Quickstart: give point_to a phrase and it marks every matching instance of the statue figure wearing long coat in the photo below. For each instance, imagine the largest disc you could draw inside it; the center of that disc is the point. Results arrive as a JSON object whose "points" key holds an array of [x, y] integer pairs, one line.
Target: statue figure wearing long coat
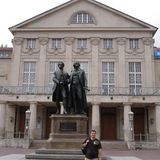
{"points": [[60, 89], [78, 87]]}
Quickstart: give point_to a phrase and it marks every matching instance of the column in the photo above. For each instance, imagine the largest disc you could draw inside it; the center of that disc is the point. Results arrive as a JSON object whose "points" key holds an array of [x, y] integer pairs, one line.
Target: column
{"points": [[95, 63], [96, 118], [33, 119], [127, 109], [2, 118], [121, 62], [15, 64], [42, 61], [157, 119]]}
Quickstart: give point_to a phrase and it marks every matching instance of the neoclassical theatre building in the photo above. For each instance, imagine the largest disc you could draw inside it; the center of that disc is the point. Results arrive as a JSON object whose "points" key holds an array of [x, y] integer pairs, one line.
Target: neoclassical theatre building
{"points": [[115, 50]]}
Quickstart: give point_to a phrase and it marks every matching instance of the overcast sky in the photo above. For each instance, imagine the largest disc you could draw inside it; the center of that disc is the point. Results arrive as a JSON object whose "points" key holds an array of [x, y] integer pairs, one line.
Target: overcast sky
{"points": [[13, 12]]}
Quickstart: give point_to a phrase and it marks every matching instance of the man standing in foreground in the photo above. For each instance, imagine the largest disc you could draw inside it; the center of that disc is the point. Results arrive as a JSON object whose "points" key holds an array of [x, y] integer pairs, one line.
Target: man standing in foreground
{"points": [[92, 147]]}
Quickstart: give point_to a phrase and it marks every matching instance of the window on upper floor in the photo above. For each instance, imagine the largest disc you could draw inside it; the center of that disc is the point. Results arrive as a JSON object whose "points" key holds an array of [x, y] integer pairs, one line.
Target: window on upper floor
{"points": [[82, 43], [31, 43], [53, 66], [82, 18], [107, 43], [84, 66], [135, 78], [29, 76], [108, 77], [56, 43], [134, 43]]}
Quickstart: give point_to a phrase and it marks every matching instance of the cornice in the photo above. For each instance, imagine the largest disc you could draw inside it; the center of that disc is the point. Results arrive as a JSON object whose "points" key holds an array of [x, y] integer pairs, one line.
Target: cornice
{"points": [[88, 28]]}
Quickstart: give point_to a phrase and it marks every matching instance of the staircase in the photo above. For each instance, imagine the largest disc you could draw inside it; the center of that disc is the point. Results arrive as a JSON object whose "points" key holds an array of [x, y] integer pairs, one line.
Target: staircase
{"points": [[72, 144], [67, 153], [55, 154]]}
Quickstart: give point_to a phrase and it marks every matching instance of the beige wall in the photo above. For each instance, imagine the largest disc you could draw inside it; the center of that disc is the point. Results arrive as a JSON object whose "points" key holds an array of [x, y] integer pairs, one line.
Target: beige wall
{"points": [[108, 24], [5, 66]]}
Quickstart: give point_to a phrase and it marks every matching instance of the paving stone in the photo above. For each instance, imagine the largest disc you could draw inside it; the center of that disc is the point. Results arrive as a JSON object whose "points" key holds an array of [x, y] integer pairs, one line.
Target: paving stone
{"points": [[22, 157], [13, 157], [124, 158]]}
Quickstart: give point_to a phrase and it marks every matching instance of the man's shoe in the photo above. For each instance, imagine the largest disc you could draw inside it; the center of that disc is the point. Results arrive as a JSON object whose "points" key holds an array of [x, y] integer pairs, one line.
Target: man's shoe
{"points": [[58, 111]]}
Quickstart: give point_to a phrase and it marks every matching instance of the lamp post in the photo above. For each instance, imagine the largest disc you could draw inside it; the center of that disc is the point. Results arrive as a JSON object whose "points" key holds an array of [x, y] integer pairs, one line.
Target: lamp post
{"points": [[131, 126], [27, 120]]}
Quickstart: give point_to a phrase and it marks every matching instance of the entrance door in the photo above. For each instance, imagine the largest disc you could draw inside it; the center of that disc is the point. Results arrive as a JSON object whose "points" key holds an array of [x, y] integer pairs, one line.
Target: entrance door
{"points": [[108, 124], [138, 122], [21, 127]]}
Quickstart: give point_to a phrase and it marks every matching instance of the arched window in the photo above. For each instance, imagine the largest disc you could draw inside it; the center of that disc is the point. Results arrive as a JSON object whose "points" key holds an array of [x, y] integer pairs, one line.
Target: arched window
{"points": [[82, 18]]}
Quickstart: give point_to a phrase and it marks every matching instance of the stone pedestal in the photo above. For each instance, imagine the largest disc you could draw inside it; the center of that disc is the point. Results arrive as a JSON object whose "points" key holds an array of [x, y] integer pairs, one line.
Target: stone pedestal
{"points": [[67, 131]]}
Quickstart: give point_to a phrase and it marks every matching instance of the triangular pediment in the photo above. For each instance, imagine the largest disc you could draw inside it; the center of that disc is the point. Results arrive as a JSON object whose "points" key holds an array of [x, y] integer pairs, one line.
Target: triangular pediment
{"points": [[106, 18]]}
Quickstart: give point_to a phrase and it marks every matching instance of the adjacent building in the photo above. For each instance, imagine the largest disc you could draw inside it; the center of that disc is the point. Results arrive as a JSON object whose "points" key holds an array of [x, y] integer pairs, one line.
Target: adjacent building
{"points": [[115, 50]]}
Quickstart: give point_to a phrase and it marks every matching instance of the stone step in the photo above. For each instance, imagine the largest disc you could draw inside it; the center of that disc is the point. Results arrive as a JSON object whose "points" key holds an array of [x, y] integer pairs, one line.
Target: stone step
{"points": [[58, 151], [54, 156], [75, 144], [57, 157], [57, 144], [57, 154]]}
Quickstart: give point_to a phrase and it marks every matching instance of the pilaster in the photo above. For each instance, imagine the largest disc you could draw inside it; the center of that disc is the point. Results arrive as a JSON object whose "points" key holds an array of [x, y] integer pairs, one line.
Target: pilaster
{"points": [[15, 65], [148, 43], [95, 62], [42, 60], [69, 43], [121, 62]]}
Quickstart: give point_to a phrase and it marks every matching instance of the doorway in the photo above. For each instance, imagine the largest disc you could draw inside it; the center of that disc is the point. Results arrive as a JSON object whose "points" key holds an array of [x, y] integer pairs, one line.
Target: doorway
{"points": [[108, 124], [139, 123]]}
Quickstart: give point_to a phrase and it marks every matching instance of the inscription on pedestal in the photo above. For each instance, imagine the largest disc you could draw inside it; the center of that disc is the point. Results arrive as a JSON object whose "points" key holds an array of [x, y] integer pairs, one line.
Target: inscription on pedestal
{"points": [[68, 126]]}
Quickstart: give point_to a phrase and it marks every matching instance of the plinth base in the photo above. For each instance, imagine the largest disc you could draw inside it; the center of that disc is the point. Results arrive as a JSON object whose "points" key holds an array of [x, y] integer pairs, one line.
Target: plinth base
{"points": [[67, 131]]}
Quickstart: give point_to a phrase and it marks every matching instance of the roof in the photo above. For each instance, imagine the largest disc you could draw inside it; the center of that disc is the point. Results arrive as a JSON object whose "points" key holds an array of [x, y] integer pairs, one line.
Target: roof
{"points": [[19, 27]]}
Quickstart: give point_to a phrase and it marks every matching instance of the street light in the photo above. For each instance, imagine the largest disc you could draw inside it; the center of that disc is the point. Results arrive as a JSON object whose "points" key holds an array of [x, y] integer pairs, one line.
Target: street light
{"points": [[131, 115], [131, 126], [28, 113]]}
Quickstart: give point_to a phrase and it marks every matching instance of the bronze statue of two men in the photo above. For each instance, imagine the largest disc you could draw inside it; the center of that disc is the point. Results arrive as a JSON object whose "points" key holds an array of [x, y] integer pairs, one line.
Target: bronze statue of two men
{"points": [[73, 97]]}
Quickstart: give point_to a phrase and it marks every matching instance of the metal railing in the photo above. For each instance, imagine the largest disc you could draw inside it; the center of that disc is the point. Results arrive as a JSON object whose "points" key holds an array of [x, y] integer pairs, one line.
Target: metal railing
{"points": [[148, 137], [10, 135], [47, 90]]}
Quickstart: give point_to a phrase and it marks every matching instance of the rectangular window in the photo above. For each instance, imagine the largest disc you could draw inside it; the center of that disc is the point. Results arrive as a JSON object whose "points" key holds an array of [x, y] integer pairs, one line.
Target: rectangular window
{"points": [[79, 18], [107, 43], [81, 43], [29, 76], [31, 43], [134, 43], [135, 78], [56, 43], [84, 66], [108, 78], [53, 66]]}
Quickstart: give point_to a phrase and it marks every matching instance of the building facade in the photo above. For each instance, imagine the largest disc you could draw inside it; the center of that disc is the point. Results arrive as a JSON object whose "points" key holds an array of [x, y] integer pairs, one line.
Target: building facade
{"points": [[116, 52]]}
